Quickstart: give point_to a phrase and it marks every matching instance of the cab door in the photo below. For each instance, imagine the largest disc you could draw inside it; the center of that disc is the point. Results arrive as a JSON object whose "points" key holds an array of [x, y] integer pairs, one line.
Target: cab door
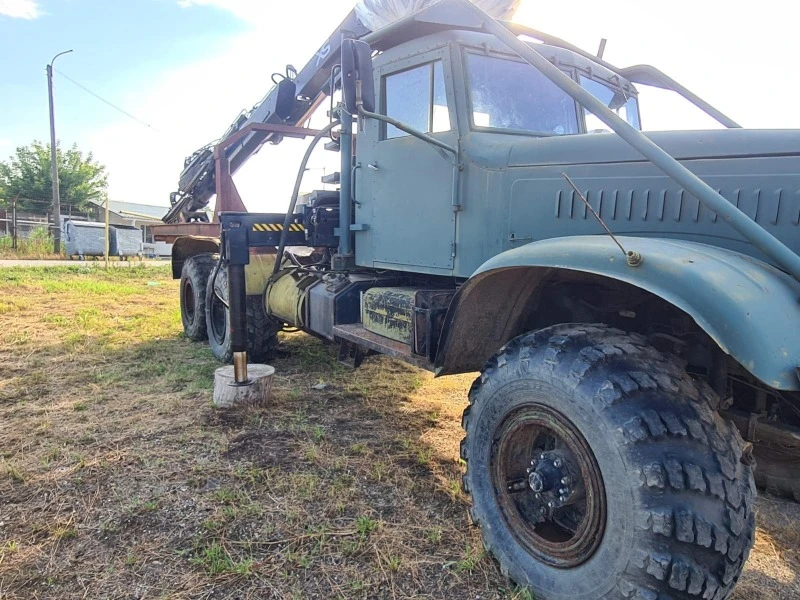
{"points": [[404, 186]]}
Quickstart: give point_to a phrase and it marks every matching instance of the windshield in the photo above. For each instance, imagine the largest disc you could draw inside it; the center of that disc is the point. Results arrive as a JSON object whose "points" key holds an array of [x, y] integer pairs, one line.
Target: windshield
{"points": [[626, 107], [508, 94]]}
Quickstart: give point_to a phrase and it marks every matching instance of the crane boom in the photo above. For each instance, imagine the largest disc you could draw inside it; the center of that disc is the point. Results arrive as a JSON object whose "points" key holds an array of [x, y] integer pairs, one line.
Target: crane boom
{"points": [[290, 101]]}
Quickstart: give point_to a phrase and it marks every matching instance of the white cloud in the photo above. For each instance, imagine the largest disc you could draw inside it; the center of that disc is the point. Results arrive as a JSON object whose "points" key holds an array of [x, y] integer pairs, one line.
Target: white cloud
{"points": [[20, 9], [144, 165]]}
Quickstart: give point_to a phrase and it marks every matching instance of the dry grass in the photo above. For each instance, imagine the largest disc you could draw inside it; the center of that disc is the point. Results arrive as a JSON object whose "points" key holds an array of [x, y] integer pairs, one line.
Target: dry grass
{"points": [[118, 479], [38, 245]]}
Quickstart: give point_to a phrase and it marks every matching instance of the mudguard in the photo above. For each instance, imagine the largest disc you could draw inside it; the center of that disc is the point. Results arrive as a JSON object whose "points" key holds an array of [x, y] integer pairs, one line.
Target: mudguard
{"points": [[749, 308], [187, 246]]}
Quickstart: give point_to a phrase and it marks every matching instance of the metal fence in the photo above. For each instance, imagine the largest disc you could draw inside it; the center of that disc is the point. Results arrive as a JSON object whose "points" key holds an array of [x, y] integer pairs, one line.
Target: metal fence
{"points": [[17, 224]]}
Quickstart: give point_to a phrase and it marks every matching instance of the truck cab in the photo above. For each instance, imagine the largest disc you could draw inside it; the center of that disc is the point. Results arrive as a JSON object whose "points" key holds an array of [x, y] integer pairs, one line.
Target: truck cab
{"points": [[470, 91], [517, 132]]}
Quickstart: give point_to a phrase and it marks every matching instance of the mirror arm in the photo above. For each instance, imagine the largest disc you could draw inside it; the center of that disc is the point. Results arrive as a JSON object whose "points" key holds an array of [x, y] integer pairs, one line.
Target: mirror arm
{"points": [[409, 130]]}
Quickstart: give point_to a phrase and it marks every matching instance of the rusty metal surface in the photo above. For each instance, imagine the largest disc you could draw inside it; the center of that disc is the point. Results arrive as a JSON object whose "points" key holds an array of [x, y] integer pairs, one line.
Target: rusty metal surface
{"points": [[250, 138], [228, 198], [389, 312], [561, 528], [171, 232], [380, 344]]}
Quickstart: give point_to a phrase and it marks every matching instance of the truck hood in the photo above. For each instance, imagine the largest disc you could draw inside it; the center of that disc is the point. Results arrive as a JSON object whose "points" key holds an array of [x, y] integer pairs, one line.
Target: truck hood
{"points": [[682, 145]]}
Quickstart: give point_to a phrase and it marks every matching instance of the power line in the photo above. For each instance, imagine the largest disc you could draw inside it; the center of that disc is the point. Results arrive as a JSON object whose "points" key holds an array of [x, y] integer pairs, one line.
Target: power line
{"points": [[111, 104]]}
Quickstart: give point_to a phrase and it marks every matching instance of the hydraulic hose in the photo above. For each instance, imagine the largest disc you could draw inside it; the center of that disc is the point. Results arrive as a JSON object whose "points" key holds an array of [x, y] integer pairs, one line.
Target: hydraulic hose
{"points": [[296, 192]]}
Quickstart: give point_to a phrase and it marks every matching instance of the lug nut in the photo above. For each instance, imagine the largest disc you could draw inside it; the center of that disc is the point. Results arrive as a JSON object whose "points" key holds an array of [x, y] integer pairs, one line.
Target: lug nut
{"points": [[557, 463], [565, 480], [538, 495], [543, 456], [562, 498], [550, 505]]}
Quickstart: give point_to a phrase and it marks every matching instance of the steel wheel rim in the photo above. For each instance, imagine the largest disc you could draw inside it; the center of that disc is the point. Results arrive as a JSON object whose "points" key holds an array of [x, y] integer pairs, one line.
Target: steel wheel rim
{"points": [[188, 300], [219, 324], [551, 538]]}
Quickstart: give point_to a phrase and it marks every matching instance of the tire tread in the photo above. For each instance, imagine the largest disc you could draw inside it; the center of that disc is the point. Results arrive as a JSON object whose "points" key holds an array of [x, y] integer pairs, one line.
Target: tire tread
{"points": [[626, 375]]}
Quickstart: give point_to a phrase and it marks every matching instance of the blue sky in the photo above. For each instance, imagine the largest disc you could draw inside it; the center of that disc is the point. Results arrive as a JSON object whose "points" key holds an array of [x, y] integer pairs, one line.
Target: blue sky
{"points": [[117, 46], [187, 67]]}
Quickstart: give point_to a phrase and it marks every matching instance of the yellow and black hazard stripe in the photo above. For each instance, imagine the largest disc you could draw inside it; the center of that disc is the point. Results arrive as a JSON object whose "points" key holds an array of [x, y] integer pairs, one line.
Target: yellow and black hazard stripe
{"points": [[277, 227]]}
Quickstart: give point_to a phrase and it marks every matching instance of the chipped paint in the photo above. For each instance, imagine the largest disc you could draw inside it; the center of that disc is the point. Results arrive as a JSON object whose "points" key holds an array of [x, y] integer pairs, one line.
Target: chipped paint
{"points": [[389, 312]]}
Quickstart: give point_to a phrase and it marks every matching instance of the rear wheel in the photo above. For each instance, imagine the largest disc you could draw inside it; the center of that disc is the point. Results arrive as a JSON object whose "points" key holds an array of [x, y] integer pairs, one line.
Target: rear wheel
{"points": [[597, 469], [262, 332], [194, 279]]}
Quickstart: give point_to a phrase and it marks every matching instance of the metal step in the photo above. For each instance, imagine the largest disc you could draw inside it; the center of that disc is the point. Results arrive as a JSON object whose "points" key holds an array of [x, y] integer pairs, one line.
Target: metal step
{"points": [[333, 178], [356, 334], [333, 146]]}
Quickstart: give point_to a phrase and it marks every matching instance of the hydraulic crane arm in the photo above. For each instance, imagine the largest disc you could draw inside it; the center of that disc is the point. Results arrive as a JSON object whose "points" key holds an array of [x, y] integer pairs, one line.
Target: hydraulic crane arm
{"points": [[291, 101]]}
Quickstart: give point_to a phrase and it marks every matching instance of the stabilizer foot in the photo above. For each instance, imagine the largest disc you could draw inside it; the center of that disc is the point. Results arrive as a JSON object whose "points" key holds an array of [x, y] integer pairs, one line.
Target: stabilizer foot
{"points": [[253, 392]]}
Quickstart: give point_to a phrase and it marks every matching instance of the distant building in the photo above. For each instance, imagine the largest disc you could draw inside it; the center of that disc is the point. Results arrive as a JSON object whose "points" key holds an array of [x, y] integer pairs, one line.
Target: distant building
{"points": [[141, 216], [130, 213]]}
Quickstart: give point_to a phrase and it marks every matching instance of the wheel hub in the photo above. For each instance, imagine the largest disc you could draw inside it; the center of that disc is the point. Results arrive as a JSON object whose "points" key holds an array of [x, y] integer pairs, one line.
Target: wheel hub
{"points": [[537, 482], [553, 498], [555, 479]]}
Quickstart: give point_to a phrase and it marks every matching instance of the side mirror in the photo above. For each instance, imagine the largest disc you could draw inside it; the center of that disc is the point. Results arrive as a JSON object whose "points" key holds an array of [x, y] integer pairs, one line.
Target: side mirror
{"points": [[287, 98], [357, 77]]}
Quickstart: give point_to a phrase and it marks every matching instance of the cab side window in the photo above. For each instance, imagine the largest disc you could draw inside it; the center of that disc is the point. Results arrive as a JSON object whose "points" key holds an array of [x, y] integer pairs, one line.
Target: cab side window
{"points": [[417, 97]]}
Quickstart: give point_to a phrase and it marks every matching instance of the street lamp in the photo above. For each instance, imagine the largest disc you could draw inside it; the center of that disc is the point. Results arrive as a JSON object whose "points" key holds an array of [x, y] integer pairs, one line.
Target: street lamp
{"points": [[53, 160]]}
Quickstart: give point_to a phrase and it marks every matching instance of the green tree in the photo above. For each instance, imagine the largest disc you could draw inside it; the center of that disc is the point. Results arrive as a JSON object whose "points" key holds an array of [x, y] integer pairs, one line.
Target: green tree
{"points": [[26, 175]]}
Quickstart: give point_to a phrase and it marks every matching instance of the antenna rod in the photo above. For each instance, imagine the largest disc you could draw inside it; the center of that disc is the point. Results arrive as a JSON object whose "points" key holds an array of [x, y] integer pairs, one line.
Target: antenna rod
{"points": [[602, 49]]}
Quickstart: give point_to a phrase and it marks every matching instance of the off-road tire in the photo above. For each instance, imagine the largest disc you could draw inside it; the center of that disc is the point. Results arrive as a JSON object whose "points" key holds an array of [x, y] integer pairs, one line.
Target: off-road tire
{"points": [[194, 280], [777, 472], [262, 332], [679, 493]]}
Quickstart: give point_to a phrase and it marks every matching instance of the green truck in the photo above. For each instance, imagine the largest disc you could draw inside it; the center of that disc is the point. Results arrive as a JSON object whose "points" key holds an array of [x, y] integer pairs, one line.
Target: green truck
{"points": [[630, 301]]}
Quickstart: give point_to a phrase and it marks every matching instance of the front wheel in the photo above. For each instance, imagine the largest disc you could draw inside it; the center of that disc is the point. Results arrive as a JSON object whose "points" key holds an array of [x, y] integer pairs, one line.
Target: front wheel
{"points": [[597, 469]]}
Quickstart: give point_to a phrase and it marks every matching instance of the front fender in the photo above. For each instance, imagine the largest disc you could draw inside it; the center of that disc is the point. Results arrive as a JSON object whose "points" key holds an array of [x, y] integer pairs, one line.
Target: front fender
{"points": [[750, 309]]}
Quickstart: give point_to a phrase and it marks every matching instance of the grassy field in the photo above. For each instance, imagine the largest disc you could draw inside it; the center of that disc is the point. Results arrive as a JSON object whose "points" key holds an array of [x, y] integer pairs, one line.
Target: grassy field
{"points": [[119, 480]]}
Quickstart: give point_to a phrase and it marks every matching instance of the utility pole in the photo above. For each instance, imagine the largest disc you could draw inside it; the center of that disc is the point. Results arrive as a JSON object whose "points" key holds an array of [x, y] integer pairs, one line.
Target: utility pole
{"points": [[108, 241], [14, 223], [53, 159]]}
